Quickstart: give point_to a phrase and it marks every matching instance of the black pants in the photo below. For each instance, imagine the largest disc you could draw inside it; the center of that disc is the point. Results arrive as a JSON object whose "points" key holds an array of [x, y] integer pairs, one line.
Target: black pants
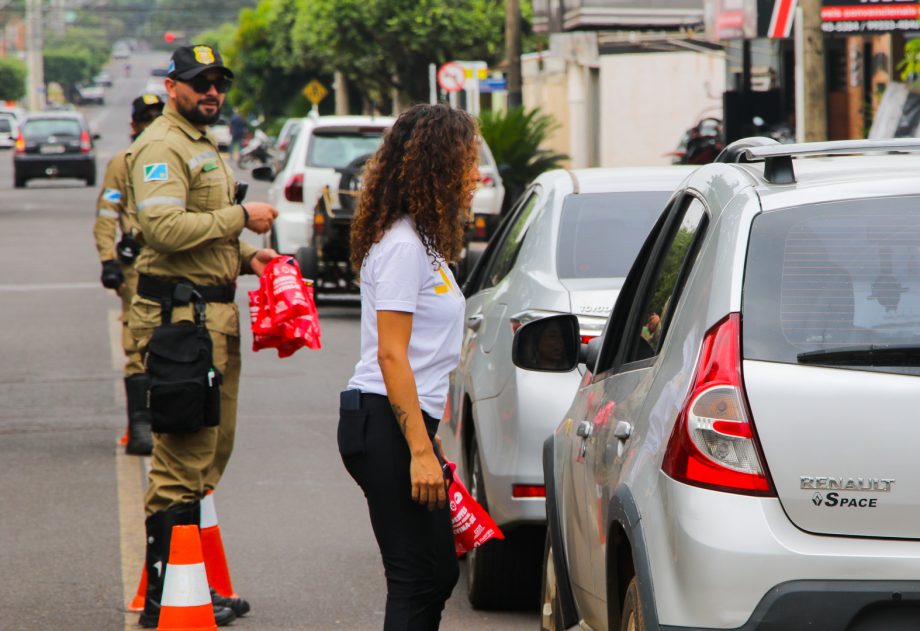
{"points": [[416, 544]]}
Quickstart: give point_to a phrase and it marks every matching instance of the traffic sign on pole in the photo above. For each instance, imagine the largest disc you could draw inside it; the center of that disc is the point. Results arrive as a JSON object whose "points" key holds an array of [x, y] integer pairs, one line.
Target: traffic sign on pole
{"points": [[452, 77], [315, 92]]}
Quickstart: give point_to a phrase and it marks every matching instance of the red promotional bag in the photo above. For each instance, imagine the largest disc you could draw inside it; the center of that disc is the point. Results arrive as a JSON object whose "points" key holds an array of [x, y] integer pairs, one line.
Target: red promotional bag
{"points": [[471, 523], [282, 310]]}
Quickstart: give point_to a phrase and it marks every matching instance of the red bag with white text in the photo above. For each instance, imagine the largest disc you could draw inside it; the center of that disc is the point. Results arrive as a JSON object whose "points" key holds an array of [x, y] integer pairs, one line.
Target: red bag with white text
{"points": [[471, 523], [282, 310], [285, 290], [261, 323]]}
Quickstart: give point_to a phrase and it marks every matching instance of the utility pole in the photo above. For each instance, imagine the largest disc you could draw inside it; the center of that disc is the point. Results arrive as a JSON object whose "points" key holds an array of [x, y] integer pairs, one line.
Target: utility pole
{"points": [[341, 93], [34, 47], [811, 97], [513, 51]]}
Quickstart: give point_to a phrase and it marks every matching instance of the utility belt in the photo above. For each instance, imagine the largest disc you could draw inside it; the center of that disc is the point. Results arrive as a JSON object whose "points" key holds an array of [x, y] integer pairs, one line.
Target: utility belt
{"points": [[184, 386]]}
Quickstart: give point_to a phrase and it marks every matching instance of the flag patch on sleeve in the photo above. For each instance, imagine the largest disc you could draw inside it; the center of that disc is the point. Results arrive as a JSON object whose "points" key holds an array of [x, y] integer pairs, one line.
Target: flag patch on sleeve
{"points": [[111, 195], [156, 172]]}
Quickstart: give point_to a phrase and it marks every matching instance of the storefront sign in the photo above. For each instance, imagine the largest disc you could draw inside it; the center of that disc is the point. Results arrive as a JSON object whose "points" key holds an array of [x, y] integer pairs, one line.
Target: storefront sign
{"points": [[748, 19], [870, 16]]}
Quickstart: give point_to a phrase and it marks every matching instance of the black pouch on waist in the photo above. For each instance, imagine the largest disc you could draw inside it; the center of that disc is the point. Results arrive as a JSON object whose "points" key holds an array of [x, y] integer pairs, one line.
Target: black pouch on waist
{"points": [[184, 393]]}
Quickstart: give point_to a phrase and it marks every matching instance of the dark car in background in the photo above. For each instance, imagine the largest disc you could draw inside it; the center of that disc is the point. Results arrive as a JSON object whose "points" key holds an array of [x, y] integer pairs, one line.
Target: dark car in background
{"points": [[54, 145]]}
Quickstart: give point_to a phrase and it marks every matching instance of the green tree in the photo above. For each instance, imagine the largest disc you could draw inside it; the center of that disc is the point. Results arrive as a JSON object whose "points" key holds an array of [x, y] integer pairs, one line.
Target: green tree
{"points": [[381, 45], [13, 75], [68, 67], [515, 137]]}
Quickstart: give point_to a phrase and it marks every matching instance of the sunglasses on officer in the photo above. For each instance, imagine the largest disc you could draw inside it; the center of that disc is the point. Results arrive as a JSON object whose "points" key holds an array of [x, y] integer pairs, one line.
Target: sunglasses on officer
{"points": [[202, 85]]}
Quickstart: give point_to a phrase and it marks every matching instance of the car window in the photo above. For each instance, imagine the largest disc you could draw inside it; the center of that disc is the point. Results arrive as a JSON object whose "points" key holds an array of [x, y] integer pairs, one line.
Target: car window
{"points": [[660, 296], [506, 253], [600, 233], [336, 149], [44, 127], [833, 275], [5, 125]]}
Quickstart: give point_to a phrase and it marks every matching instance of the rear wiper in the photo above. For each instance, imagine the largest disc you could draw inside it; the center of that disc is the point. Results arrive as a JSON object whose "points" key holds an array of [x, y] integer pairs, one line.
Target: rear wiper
{"points": [[864, 355]]}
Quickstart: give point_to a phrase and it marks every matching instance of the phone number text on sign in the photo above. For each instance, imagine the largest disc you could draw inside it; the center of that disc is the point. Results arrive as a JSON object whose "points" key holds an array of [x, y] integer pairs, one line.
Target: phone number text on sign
{"points": [[875, 26]]}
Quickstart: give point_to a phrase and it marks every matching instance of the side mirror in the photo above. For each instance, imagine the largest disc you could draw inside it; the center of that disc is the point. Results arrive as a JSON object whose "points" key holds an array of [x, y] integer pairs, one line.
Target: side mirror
{"points": [[547, 345], [264, 174], [504, 169]]}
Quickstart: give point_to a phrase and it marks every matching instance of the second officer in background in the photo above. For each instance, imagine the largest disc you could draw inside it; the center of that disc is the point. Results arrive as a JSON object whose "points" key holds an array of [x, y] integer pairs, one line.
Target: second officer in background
{"points": [[191, 218], [112, 219]]}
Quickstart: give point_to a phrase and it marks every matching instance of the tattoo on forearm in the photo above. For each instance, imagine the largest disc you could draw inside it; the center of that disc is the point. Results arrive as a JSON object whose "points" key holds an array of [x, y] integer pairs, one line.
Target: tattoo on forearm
{"points": [[402, 417]]}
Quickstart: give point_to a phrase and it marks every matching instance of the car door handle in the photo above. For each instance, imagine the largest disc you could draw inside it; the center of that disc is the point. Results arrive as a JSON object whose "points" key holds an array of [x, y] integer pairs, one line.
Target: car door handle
{"points": [[623, 430], [474, 321], [584, 429]]}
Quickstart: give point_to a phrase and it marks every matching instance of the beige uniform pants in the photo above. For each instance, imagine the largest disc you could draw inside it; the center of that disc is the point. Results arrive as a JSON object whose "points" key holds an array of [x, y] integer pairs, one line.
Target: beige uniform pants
{"points": [[133, 362]]}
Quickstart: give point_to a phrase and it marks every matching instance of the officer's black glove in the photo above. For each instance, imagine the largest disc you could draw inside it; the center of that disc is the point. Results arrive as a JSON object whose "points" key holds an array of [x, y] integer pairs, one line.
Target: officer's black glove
{"points": [[112, 276]]}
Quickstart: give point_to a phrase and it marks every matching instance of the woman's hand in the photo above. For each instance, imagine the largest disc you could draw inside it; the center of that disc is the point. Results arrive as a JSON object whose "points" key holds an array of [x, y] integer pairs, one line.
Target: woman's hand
{"points": [[427, 480], [261, 259]]}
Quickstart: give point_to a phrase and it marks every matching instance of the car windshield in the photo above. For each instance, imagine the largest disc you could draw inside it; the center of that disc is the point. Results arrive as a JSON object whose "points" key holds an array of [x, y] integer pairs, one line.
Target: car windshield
{"points": [[44, 127], [835, 283], [5, 125], [336, 149], [600, 233]]}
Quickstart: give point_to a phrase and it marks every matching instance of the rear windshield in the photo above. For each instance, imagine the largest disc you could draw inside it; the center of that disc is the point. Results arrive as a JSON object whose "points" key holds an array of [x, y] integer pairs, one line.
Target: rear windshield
{"points": [[833, 275], [42, 128], [337, 149], [600, 233], [5, 124]]}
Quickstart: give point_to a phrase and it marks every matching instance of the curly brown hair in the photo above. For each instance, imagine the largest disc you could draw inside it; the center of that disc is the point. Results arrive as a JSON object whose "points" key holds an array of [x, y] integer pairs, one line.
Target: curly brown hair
{"points": [[421, 170]]}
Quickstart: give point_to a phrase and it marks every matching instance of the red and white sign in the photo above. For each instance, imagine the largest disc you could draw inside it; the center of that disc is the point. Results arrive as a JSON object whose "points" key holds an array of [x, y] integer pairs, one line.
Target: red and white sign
{"points": [[781, 20], [452, 77]]}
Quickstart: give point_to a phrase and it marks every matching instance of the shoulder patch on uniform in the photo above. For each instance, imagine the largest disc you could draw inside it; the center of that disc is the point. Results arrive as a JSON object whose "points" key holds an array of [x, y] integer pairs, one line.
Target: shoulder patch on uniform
{"points": [[111, 195], [156, 172]]}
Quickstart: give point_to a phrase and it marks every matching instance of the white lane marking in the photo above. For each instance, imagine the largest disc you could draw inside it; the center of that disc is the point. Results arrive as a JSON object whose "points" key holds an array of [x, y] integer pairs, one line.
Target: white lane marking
{"points": [[49, 287], [115, 343]]}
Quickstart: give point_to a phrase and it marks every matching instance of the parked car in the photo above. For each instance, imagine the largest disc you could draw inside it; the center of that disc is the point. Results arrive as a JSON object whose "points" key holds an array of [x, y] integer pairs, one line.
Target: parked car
{"points": [[739, 452], [8, 132], [104, 79], [52, 145], [285, 139], [323, 146], [121, 50], [565, 248], [91, 93], [487, 202], [156, 82], [221, 132], [17, 113]]}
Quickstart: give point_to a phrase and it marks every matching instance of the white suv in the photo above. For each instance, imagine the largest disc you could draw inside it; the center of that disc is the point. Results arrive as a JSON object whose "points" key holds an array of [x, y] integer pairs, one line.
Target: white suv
{"points": [[740, 453]]}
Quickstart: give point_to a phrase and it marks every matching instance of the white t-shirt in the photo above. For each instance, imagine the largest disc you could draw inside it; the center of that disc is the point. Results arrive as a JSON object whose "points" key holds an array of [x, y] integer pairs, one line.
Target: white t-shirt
{"points": [[399, 275]]}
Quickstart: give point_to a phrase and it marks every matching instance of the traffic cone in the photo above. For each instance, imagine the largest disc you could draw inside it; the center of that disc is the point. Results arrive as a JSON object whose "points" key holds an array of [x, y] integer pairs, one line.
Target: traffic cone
{"points": [[124, 439], [186, 604], [137, 604], [212, 545]]}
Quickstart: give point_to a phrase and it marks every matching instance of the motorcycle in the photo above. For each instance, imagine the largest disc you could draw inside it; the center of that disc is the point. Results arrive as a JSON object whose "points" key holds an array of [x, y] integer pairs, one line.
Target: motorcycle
{"points": [[257, 152], [701, 143]]}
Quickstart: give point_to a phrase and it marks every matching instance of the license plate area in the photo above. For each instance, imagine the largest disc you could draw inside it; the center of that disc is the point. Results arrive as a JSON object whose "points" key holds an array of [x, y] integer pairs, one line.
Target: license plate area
{"points": [[51, 149]]}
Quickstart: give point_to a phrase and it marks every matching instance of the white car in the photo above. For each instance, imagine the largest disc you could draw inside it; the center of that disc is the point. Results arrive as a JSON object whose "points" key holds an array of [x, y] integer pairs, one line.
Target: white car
{"points": [[156, 85], [92, 93], [221, 132], [565, 247], [8, 132]]}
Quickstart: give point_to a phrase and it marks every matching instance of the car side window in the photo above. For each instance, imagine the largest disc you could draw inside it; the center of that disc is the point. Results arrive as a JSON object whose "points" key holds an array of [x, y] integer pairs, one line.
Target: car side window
{"points": [[503, 259], [661, 294]]}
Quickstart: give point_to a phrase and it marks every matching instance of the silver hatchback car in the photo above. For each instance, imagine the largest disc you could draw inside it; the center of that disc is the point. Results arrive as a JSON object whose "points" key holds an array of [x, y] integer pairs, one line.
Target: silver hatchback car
{"points": [[740, 453], [564, 248]]}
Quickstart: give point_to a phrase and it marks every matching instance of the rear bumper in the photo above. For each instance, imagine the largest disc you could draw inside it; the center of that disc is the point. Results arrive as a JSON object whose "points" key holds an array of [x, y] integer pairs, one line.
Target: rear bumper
{"points": [[81, 166], [833, 606]]}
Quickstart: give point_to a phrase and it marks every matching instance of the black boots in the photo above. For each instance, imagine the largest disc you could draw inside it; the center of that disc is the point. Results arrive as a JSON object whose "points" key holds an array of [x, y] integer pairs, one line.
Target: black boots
{"points": [[240, 606], [159, 533], [140, 440]]}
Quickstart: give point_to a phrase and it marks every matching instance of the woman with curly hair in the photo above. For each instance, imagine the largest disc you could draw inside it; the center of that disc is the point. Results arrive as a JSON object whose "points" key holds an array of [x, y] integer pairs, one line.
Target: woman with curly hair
{"points": [[411, 216]]}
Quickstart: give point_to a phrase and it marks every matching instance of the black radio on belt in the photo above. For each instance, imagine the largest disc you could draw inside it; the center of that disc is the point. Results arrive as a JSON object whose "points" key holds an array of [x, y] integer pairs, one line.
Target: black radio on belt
{"points": [[241, 189], [127, 248]]}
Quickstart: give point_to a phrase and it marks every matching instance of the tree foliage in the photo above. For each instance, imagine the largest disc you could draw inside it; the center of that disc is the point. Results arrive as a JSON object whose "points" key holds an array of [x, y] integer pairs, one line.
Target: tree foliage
{"points": [[381, 45], [13, 75], [515, 138]]}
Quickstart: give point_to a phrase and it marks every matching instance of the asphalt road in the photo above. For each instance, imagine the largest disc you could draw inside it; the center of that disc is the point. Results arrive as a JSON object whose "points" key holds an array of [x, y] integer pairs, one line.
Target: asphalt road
{"points": [[294, 525]]}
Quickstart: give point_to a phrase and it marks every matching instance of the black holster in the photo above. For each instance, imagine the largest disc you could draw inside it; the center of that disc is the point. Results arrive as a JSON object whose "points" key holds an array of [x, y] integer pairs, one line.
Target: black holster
{"points": [[184, 393]]}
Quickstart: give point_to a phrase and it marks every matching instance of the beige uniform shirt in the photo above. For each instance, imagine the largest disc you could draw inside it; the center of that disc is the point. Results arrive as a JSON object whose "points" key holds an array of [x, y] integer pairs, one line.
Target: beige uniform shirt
{"points": [[182, 193], [110, 208]]}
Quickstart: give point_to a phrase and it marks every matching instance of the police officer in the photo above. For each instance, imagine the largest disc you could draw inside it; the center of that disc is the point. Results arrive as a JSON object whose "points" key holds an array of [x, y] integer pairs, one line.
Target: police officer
{"points": [[118, 269], [184, 197]]}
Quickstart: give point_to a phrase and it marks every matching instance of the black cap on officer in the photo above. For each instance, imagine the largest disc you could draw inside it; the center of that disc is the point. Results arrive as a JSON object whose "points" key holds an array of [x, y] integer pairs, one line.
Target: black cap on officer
{"points": [[189, 61], [142, 104]]}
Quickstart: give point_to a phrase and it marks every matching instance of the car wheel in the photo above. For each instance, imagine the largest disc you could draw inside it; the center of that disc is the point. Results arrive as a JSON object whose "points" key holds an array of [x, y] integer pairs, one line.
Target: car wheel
{"points": [[502, 573], [551, 610], [632, 618], [19, 182], [309, 265], [91, 180]]}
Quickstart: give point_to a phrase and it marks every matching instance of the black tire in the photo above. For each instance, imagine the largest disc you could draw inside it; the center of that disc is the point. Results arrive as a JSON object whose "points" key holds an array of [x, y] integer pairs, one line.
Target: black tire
{"points": [[91, 181], [19, 181], [502, 574], [551, 609], [632, 618], [308, 261]]}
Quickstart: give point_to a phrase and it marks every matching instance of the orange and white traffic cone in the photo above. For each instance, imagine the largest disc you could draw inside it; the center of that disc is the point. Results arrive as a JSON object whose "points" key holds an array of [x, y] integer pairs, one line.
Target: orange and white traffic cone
{"points": [[212, 545], [137, 604], [186, 604]]}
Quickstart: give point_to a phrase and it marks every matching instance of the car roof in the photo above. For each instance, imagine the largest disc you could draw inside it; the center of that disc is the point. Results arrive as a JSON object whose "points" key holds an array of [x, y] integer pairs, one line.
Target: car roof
{"points": [[63, 114], [608, 180], [347, 121]]}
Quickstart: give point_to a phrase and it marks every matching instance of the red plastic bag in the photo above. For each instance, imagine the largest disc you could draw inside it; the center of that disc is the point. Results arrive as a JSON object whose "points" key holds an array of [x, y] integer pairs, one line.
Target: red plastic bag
{"points": [[282, 310], [471, 523]]}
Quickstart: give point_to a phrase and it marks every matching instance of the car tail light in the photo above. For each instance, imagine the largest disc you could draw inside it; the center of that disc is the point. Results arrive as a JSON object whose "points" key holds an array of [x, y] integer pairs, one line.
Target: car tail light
{"points": [[485, 179], [520, 491], [20, 143], [293, 190], [283, 144], [590, 327], [479, 227], [319, 223], [86, 143], [714, 444]]}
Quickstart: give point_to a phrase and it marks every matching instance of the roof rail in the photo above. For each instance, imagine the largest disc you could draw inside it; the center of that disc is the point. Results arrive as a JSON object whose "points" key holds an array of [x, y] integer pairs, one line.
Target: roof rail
{"points": [[778, 158], [735, 151]]}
